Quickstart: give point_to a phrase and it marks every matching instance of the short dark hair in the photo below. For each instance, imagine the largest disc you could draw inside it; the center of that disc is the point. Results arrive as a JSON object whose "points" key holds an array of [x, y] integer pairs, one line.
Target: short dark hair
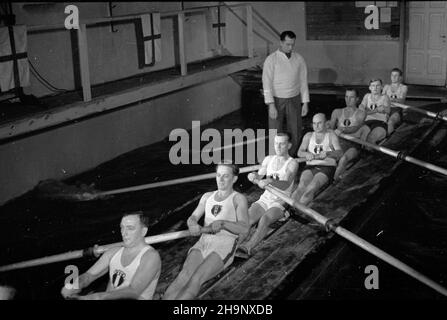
{"points": [[354, 90], [376, 79], [143, 219], [284, 134], [397, 70], [229, 163], [287, 33]]}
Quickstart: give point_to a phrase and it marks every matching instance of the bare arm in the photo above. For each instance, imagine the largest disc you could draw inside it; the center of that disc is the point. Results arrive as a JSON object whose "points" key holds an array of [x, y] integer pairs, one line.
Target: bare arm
{"points": [[302, 151], [338, 152], [96, 271], [192, 221], [147, 271], [334, 118], [386, 106]]}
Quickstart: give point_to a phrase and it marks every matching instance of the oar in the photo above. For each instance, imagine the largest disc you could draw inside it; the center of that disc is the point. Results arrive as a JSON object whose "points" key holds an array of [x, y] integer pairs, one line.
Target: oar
{"points": [[400, 155], [87, 196], [435, 115], [331, 226], [94, 251]]}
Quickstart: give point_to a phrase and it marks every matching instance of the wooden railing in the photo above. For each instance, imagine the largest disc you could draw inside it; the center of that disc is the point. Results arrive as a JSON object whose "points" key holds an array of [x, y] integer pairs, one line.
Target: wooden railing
{"points": [[180, 14]]}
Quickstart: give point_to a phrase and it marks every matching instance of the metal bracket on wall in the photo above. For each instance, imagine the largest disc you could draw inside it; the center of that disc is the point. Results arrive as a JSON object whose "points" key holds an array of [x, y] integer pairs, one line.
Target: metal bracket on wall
{"points": [[110, 9]]}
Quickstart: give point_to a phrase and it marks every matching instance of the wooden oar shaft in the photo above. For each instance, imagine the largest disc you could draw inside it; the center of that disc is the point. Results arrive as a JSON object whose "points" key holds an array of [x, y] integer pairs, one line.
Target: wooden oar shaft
{"points": [[359, 241], [396, 154], [171, 182], [176, 181], [419, 110], [97, 250]]}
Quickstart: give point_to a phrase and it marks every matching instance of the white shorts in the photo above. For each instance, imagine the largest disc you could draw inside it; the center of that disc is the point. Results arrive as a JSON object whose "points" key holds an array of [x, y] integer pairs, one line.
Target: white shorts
{"points": [[223, 245], [267, 203]]}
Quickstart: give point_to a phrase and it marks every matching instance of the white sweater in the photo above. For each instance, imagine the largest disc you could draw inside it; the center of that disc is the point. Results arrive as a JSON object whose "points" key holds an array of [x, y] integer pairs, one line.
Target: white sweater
{"points": [[284, 78]]}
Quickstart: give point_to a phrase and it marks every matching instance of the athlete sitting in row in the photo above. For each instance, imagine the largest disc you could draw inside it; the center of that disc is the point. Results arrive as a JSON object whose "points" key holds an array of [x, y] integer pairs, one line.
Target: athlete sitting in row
{"points": [[377, 108], [397, 92], [322, 149], [349, 120]]}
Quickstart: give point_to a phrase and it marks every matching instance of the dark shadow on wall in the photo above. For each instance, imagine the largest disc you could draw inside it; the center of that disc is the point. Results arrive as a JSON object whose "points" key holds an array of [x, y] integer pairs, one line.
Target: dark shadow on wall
{"points": [[253, 110], [327, 75]]}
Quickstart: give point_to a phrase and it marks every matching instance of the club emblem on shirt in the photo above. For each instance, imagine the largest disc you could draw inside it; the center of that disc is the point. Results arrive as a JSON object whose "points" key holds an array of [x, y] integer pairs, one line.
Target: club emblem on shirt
{"points": [[393, 96], [318, 149], [372, 107], [347, 122], [118, 278], [216, 209]]}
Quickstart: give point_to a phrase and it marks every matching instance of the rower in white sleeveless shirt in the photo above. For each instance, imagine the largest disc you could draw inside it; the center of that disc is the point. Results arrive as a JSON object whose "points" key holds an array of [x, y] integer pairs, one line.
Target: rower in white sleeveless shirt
{"points": [[280, 171], [349, 120], [397, 92], [322, 149], [226, 214], [377, 108], [134, 268]]}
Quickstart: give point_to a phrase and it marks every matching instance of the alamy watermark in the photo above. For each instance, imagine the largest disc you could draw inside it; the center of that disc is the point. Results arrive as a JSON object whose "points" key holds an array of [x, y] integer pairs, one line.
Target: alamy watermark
{"points": [[188, 148]]}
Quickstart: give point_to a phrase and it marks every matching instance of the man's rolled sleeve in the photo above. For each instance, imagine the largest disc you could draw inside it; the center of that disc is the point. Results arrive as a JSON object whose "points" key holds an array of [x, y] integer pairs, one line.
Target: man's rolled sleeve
{"points": [[304, 88], [267, 81]]}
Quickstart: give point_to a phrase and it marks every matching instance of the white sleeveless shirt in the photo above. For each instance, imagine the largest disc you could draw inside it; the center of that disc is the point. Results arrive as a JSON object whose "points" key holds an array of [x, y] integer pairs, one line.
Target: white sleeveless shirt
{"points": [[317, 148], [121, 277], [279, 174], [394, 93], [220, 210], [372, 105], [345, 122]]}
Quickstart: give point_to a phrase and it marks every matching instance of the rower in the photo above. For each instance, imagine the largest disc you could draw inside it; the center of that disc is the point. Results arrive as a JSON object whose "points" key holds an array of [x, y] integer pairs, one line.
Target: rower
{"points": [[349, 120], [134, 268], [322, 149], [377, 107], [226, 215], [280, 171], [397, 92]]}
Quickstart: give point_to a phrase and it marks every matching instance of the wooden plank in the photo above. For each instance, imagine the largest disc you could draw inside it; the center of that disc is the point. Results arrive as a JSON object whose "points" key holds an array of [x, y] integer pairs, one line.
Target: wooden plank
{"points": [[281, 254], [250, 31], [77, 110], [181, 43], [83, 62]]}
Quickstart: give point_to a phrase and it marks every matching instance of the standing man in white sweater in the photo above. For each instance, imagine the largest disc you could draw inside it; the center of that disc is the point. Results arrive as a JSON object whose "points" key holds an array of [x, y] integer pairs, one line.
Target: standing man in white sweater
{"points": [[284, 80]]}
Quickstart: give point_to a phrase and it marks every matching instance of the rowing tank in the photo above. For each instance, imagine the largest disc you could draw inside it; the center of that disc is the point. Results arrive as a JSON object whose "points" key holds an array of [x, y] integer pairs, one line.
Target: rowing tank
{"points": [[291, 245]]}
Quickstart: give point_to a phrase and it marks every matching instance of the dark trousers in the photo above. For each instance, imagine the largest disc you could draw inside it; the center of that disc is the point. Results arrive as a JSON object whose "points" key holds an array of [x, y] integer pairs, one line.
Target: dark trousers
{"points": [[289, 109]]}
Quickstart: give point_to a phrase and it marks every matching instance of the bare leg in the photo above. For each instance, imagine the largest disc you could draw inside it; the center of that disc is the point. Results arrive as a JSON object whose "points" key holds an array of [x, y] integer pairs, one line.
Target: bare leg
{"points": [[270, 216], [393, 122], [255, 212], [209, 268], [193, 261], [305, 179], [345, 160], [317, 182], [377, 134]]}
